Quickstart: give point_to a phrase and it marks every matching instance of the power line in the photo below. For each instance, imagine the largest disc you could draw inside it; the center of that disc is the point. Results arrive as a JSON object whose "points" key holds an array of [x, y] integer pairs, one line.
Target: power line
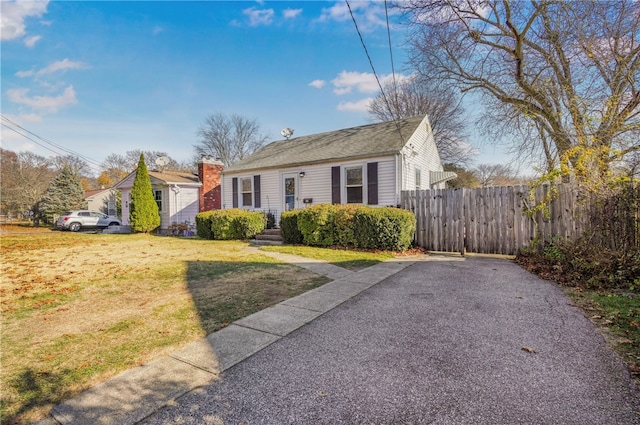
{"points": [[393, 70], [375, 74], [61, 149]]}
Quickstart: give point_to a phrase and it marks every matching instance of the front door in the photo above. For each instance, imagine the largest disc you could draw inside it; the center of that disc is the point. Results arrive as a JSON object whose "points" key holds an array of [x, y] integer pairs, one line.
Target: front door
{"points": [[290, 191]]}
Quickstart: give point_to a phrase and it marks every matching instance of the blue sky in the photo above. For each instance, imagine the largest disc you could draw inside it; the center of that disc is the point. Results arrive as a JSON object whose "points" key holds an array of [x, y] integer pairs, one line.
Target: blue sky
{"points": [[105, 77]]}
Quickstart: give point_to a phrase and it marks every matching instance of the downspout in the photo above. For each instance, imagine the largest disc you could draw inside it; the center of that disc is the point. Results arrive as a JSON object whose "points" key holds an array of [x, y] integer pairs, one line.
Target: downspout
{"points": [[398, 178], [222, 191], [176, 189]]}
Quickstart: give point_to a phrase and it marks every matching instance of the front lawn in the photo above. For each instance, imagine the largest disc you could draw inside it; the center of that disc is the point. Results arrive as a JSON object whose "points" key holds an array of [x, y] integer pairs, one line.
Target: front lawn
{"points": [[80, 308], [348, 259]]}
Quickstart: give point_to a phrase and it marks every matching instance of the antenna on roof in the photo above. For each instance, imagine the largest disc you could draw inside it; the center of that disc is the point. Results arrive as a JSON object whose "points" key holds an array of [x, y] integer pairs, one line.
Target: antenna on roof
{"points": [[286, 132], [161, 161]]}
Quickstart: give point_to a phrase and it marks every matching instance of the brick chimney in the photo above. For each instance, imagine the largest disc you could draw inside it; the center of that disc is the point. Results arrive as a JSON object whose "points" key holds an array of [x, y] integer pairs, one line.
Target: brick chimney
{"points": [[210, 175]]}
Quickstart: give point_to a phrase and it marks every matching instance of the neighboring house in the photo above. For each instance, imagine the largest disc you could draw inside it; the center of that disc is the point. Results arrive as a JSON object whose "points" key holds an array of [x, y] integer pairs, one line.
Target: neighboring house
{"points": [[103, 200], [180, 196], [367, 165]]}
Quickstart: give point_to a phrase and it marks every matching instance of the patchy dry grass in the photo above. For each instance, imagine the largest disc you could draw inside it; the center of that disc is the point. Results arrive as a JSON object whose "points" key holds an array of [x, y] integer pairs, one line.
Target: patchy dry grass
{"points": [[349, 259], [79, 308]]}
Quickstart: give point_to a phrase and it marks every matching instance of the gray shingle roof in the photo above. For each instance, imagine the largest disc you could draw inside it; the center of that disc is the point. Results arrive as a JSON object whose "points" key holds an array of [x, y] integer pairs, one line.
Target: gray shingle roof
{"points": [[175, 177], [350, 143]]}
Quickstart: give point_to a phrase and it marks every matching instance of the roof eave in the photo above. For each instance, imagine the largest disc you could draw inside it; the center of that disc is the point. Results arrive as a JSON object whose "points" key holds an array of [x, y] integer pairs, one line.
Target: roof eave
{"points": [[306, 163]]}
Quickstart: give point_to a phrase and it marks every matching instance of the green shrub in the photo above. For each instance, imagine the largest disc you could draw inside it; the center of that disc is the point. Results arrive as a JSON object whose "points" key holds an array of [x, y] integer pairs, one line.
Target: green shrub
{"points": [[383, 228], [317, 225], [289, 227], [229, 224], [203, 225], [144, 216], [343, 225], [247, 224], [350, 226]]}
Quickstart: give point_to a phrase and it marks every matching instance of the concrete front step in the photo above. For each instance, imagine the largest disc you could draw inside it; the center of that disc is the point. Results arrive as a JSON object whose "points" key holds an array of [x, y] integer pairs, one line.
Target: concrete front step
{"points": [[259, 242], [271, 232], [264, 237]]}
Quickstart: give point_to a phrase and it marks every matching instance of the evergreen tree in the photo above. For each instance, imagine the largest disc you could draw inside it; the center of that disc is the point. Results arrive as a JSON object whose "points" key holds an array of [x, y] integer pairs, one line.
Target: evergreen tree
{"points": [[143, 209], [63, 194]]}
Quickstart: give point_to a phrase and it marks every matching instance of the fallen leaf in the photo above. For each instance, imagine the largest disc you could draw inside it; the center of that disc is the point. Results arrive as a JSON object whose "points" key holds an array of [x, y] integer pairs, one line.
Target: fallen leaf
{"points": [[529, 349], [322, 394], [596, 317]]}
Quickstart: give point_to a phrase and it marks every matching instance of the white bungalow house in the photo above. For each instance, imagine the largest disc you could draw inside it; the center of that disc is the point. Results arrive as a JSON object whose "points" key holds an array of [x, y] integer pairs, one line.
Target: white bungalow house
{"points": [[368, 165], [103, 200], [180, 196]]}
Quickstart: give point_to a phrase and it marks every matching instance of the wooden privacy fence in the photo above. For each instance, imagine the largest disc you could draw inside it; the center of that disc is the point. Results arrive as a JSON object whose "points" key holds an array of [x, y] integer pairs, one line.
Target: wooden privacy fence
{"points": [[496, 220]]}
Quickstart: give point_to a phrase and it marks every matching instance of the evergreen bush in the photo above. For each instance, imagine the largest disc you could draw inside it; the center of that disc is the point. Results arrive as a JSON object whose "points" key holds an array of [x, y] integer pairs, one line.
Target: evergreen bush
{"points": [[383, 228], [229, 224], [63, 194], [144, 216], [289, 227], [203, 225], [350, 226], [317, 225]]}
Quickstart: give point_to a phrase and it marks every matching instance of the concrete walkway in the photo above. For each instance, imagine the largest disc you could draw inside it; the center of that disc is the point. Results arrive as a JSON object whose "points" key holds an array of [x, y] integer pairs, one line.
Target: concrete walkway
{"points": [[135, 394]]}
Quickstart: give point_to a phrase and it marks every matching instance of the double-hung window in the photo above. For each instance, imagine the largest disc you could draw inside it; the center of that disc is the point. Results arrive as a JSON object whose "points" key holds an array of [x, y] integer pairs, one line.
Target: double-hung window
{"points": [[418, 179], [157, 194], [247, 192], [354, 184]]}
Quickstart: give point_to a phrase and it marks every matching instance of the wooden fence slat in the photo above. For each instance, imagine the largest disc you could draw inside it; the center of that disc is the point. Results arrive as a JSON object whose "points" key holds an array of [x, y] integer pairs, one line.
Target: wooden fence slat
{"points": [[500, 220]]}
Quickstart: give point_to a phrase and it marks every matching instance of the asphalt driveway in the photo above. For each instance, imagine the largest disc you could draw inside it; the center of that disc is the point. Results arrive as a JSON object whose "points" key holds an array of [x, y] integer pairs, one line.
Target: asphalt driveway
{"points": [[445, 341]]}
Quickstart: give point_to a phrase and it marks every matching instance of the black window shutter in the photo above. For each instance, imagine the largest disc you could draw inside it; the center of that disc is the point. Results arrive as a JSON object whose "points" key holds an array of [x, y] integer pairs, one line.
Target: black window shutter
{"points": [[335, 185], [256, 191], [234, 185], [372, 183]]}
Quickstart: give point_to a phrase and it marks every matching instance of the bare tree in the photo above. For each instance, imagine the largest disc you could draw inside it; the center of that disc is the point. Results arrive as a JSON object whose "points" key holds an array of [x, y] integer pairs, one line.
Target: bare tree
{"points": [[229, 138], [25, 177], [495, 175], [421, 96], [564, 71], [76, 165]]}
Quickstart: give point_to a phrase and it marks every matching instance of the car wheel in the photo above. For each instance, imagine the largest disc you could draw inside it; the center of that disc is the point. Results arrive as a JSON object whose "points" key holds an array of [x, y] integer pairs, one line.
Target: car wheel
{"points": [[113, 224], [74, 227]]}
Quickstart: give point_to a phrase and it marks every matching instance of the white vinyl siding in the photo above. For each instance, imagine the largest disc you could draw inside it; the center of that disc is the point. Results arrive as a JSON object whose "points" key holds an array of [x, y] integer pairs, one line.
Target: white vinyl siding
{"points": [[315, 185]]}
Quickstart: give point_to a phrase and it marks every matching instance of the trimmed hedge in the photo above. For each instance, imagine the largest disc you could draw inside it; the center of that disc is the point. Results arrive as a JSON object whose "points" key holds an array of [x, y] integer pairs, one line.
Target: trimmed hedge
{"points": [[289, 227], [229, 224], [388, 229], [347, 225]]}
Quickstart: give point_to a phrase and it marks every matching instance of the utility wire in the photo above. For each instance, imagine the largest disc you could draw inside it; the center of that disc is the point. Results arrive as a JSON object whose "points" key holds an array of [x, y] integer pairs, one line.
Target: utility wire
{"points": [[393, 70], [29, 138], [90, 162], [375, 74]]}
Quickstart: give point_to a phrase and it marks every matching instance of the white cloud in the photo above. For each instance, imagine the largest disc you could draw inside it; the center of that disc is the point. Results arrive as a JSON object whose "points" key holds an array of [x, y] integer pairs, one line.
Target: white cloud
{"points": [[259, 16], [318, 83], [357, 106], [157, 30], [43, 103], [291, 13], [363, 82], [12, 23], [57, 66], [31, 41], [369, 15], [346, 81]]}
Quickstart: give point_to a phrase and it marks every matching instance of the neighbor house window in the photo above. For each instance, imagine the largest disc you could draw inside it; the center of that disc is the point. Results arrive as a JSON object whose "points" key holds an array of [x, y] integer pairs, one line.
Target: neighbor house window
{"points": [[247, 195], [354, 185], [157, 194], [418, 179]]}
